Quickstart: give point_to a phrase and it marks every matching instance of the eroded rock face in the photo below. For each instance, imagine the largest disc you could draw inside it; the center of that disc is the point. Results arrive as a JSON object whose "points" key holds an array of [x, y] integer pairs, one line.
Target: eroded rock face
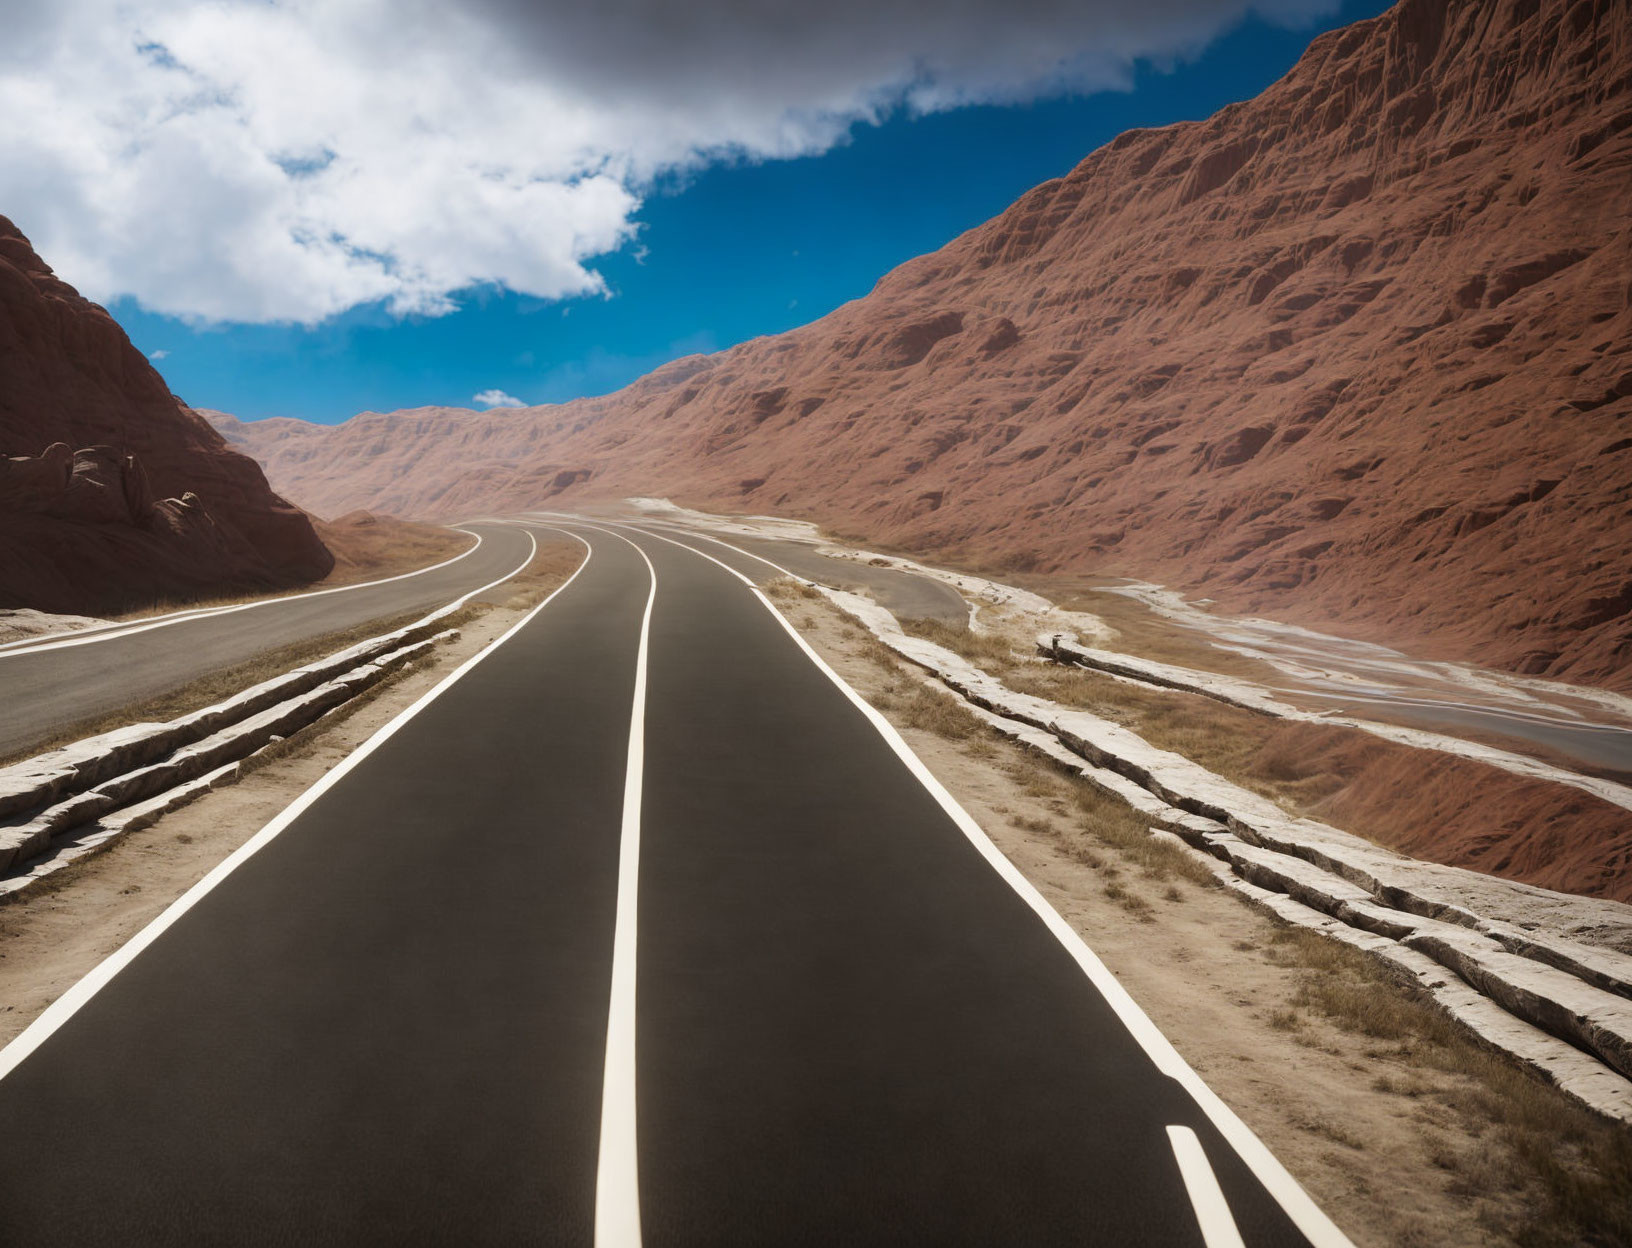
{"points": [[112, 494], [1356, 353]]}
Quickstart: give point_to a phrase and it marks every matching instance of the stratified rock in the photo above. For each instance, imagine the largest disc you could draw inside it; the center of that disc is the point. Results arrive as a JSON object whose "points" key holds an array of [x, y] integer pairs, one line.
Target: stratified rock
{"points": [[112, 494], [1356, 353]]}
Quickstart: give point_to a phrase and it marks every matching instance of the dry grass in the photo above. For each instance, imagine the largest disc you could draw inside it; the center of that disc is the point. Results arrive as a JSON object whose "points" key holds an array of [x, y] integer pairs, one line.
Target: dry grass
{"points": [[786, 589], [1512, 1129], [368, 547], [993, 651], [362, 552], [549, 570], [913, 703]]}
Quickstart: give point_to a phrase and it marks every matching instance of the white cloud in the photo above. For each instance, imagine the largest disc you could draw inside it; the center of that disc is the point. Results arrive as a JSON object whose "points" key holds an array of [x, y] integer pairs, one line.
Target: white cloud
{"points": [[497, 398], [284, 160], [160, 354]]}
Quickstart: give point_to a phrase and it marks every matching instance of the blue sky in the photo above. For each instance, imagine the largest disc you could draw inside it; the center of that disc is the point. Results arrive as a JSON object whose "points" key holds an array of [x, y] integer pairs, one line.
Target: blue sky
{"points": [[721, 255]]}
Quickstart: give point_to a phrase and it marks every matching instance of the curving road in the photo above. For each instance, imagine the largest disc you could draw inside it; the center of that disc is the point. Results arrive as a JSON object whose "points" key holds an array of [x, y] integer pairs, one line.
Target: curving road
{"points": [[49, 683], [641, 928], [906, 594]]}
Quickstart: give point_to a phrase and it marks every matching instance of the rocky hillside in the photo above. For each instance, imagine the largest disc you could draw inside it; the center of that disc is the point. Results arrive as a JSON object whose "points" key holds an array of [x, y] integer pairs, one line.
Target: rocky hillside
{"points": [[114, 496], [1355, 353]]}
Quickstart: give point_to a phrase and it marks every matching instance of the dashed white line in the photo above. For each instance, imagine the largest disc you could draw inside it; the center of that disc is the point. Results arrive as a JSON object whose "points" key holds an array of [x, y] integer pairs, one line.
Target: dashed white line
{"points": [[1218, 1229]]}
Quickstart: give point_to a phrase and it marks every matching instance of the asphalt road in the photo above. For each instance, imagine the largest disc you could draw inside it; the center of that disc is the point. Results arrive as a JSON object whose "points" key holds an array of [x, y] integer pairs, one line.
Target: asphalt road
{"points": [[904, 593], [1604, 749], [51, 683], [639, 929]]}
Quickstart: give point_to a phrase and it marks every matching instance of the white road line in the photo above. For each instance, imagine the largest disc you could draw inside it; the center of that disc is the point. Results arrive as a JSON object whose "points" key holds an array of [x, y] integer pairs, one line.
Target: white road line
{"points": [[532, 554], [89, 636], [69, 1004], [1218, 1229], [617, 1175], [1307, 1216]]}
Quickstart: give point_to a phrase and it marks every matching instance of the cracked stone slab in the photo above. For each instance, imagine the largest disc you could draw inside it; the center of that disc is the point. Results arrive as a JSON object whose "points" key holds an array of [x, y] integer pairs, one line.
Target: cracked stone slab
{"points": [[38, 781], [24, 840]]}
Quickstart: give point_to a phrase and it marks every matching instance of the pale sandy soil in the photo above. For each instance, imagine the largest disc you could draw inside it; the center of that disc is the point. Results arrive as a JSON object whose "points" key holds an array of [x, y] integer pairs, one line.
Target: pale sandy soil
{"points": [[19, 624]]}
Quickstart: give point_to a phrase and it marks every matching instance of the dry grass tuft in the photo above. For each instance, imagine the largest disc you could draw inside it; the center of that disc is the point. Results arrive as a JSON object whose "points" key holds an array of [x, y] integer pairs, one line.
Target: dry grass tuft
{"points": [[1579, 1163], [787, 589], [982, 649], [915, 704]]}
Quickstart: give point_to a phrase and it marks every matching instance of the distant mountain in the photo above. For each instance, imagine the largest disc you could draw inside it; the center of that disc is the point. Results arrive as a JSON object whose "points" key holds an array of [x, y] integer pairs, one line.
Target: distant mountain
{"points": [[113, 495], [1357, 352]]}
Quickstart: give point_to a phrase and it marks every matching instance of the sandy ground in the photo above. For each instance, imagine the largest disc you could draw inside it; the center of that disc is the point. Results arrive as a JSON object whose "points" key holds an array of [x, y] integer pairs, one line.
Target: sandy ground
{"points": [[1400, 1151], [15, 625]]}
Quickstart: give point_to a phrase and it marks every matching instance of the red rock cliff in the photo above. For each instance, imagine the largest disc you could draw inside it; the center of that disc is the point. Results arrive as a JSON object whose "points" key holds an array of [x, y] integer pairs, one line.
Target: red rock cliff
{"points": [[112, 494], [1356, 353]]}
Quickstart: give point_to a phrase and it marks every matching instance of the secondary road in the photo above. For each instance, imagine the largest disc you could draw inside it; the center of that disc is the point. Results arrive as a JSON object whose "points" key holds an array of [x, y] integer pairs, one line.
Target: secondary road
{"points": [[49, 683], [640, 928]]}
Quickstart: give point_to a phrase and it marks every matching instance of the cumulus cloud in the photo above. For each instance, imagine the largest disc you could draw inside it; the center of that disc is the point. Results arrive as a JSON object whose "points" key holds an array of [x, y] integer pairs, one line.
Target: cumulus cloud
{"points": [[284, 160], [497, 398], [160, 354]]}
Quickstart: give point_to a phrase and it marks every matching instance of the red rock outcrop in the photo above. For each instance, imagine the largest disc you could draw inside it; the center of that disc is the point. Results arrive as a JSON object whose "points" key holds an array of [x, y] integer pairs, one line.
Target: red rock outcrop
{"points": [[113, 495], [1356, 353]]}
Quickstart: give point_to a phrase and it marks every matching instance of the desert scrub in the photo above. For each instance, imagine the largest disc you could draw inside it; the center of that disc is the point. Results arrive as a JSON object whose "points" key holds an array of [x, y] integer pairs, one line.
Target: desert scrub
{"points": [[992, 651], [787, 589], [1578, 1164], [916, 705]]}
